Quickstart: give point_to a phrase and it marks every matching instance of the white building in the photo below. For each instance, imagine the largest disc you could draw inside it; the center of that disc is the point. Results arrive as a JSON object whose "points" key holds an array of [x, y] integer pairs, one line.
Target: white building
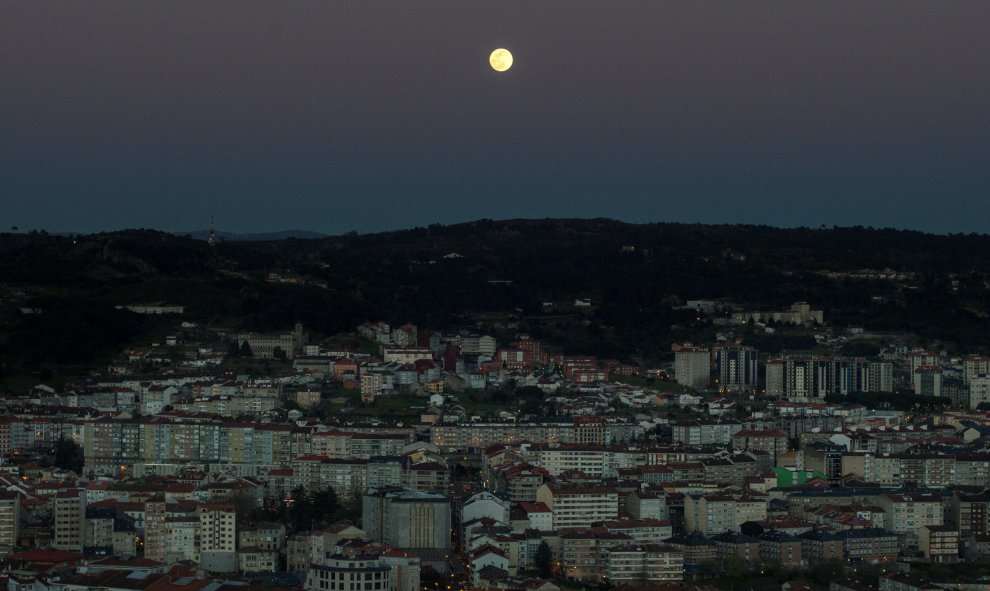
{"points": [[979, 390], [218, 537], [693, 367], [709, 514], [350, 573], [181, 536], [579, 506], [485, 504]]}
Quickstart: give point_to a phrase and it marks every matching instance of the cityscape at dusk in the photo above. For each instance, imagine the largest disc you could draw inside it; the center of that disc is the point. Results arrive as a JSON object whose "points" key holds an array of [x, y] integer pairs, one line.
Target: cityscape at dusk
{"points": [[346, 295]]}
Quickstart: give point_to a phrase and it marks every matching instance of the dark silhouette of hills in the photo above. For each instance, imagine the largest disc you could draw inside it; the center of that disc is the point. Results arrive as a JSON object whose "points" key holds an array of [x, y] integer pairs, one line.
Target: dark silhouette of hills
{"points": [[505, 277], [253, 237]]}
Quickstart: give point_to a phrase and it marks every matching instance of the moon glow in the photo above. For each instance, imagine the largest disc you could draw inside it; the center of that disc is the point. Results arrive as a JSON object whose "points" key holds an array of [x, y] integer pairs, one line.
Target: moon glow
{"points": [[500, 59]]}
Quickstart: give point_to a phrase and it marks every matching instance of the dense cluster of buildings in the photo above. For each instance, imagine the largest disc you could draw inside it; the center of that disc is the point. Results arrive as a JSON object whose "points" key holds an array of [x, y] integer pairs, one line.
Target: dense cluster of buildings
{"points": [[181, 470]]}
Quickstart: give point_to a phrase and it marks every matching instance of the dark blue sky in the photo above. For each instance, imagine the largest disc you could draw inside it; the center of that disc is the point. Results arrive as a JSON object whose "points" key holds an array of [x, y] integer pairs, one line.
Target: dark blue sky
{"points": [[373, 115]]}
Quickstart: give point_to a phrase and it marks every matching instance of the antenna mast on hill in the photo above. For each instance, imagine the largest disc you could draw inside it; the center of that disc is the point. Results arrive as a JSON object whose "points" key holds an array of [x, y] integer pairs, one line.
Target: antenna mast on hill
{"points": [[213, 233]]}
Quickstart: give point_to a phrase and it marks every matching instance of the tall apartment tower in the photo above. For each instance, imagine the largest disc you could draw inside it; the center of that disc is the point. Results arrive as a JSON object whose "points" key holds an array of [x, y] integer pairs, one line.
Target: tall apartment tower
{"points": [[927, 380], [70, 513], [154, 529], [10, 517], [217, 538], [918, 359], [736, 367], [693, 367], [775, 378], [975, 366]]}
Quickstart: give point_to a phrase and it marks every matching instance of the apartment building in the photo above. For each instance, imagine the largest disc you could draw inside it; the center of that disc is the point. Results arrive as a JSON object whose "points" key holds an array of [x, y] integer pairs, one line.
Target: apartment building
{"points": [[521, 482], [346, 476], [217, 537], [974, 394], [644, 564], [907, 512], [970, 513], [709, 514], [735, 367], [455, 437], [871, 545], [927, 380], [939, 543], [820, 545], [693, 367], [579, 506], [98, 535], [804, 378], [70, 514], [485, 504], [344, 444], [778, 547], [10, 520], [736, 544], [592, 461], [975, 366], [705, 432], [155, 542], [414, 521], [697, 549], [181, 539], [372, 384], [771, 441], [642, 531], [647, 504], [583, 553]]}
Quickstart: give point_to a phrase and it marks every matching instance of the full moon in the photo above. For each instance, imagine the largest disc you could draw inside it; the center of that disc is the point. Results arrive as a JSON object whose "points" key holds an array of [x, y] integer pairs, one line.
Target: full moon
{"points": [[500, 59]]}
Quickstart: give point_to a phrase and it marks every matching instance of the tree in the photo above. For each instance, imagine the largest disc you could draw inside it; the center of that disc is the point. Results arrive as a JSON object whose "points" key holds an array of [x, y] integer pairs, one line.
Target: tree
{"points": [[69, 456], [735, 566], [301, 510], [325, 504], [245, 350], [544, 560], [279, 353], [244, 507], [349, 510]]}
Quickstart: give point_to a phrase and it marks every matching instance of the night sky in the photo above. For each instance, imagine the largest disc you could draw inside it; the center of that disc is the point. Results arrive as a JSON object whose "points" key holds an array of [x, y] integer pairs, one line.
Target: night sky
{"points": [[371, 115]]}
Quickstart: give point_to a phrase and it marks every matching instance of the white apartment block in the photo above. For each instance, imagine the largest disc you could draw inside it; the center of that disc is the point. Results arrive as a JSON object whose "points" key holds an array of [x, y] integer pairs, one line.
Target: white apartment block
{"points": [[974, 366], [979, 390], [181, 535], [709, 514], [579, 506], [705, 432], [693, 367], [218, 537], [594, 462], [906, 513], [372, 384]]}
